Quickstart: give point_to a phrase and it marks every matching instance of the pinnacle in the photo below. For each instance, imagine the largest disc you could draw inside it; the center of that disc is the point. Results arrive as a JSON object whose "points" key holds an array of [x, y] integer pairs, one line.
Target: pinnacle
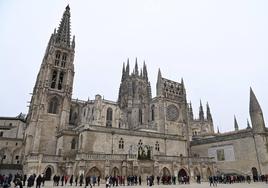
{"points": [[254, 105]]}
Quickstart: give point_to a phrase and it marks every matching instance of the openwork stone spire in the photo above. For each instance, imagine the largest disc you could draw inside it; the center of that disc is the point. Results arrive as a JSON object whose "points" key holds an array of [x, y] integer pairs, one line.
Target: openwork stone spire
{"points": [[63, 33]]}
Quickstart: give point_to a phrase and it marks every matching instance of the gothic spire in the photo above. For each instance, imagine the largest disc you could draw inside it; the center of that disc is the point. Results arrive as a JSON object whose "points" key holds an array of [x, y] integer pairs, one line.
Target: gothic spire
{"points": [[123, 72], [255, 112], [182, 86], [63, 33], [127, 68], [159, 76], [254, 105], [235, 124], [209, 116], [201, 112], [136, 71], [159, 83], [218, 130], [145, 74]]}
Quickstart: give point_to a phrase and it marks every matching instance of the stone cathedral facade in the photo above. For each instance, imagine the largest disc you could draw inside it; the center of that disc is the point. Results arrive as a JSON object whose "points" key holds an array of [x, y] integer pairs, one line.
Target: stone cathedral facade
{"points": [[136, 135]]}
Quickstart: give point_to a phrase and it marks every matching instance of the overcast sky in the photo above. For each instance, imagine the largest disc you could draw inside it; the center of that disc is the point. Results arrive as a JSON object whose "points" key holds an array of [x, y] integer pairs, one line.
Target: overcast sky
{"points": [[218, 47]]}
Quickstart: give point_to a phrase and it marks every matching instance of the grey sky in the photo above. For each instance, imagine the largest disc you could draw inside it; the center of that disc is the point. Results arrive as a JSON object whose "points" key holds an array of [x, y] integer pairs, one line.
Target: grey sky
{"points": [[218, 47]]}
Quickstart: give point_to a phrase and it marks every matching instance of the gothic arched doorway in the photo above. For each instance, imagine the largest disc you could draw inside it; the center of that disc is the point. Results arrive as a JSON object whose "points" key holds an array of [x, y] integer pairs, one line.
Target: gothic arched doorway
{"points": [[115, 171], [254, 173], [165, 172], [94, 171], [182, 173], [48, 173]]}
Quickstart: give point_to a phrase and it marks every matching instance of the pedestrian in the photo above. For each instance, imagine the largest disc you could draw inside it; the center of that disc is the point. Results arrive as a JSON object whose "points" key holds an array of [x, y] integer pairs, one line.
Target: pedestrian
{"points": [[71, 179], [38, 181]]}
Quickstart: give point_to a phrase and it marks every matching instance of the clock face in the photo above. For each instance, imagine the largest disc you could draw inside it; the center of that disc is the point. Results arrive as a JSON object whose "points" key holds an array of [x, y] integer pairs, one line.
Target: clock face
{"points": [[172, 113]]}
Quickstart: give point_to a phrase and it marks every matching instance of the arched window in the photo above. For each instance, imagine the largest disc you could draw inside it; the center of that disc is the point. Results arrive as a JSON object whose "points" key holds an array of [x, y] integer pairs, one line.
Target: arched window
{"points": [[152, 112], [157, 146], [109, 117], [60, 81], [140, 116], [121, 143], [63, 59], [53, 79], [73, 143], [53, 106], [57, 58]]}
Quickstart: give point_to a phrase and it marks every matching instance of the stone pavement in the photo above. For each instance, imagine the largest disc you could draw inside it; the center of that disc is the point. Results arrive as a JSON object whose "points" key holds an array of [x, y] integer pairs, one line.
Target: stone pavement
{"points": [[192, 185]]}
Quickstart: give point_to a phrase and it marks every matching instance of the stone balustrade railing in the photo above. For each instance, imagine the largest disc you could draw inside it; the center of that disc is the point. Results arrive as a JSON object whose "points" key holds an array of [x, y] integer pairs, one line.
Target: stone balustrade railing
{"points": [[116, 157]]}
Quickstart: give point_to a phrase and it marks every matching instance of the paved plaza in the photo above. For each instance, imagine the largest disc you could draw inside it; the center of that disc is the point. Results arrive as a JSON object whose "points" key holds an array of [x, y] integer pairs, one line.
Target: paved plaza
{"points": [[192, 185]]}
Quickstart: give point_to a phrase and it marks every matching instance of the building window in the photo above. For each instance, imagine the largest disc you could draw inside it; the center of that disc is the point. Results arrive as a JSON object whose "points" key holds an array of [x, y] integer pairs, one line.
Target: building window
{"points": [[53, 106], [53, 79], [4, 157], [16, 143], [63, 59], [121, 143], [109, 117], [157, 146], [60, 81], [10, 124], [17, 157], [1, 134], [152, 112], [57, 58], [140, 116], [220, 155], [18, 162], [73, 144]]}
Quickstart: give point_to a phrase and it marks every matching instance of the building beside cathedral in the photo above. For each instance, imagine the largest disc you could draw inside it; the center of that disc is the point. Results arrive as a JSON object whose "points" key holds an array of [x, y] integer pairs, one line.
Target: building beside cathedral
{"points": [[136, 135]]}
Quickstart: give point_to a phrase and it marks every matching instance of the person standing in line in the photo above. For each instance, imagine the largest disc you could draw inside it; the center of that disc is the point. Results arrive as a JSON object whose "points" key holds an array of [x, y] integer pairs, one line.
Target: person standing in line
{"points": [[98, 180], [71, 179], [38, 181]]}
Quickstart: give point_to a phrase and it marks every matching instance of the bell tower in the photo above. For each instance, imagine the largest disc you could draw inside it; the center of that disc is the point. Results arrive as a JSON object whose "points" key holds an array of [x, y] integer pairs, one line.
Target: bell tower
{"points": [[50, 103]]}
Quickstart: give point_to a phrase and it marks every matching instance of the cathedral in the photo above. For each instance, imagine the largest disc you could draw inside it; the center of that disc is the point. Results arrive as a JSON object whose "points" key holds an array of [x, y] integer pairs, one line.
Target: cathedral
{"points": [[136, 135]]}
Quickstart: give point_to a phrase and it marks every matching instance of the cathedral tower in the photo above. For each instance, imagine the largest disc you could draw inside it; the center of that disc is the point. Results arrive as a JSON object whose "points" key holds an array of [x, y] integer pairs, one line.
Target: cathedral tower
{"points": [[135, 96], [255, 112], [50, 103]]}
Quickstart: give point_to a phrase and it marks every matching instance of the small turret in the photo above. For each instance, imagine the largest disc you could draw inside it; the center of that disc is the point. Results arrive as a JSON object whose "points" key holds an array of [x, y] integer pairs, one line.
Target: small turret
{"points": [[235, 124], [255, 112]]}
